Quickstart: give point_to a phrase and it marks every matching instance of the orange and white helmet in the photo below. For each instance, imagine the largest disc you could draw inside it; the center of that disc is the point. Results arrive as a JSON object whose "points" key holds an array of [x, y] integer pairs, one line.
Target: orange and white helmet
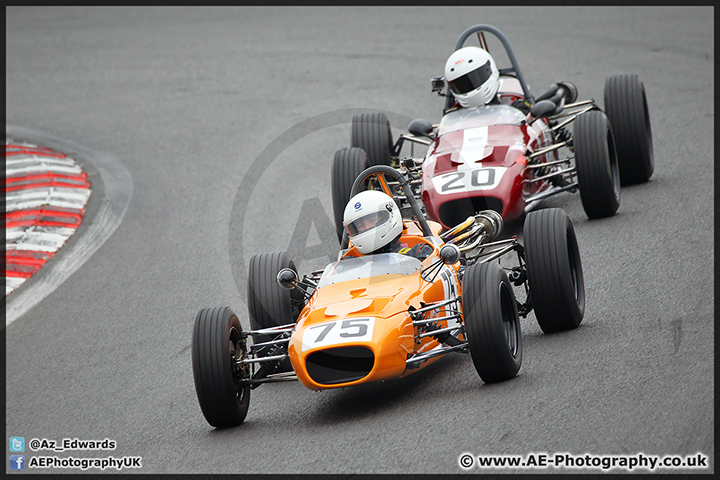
{"points": [[372, 220], [473, 77]]}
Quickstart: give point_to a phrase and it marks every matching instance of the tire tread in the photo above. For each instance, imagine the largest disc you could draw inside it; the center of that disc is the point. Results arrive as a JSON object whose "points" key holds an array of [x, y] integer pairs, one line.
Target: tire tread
{"points": [[371, 132], [484, 324], [593, 161], [347, 164], [626, 107], [546, 234], [211, 368]]}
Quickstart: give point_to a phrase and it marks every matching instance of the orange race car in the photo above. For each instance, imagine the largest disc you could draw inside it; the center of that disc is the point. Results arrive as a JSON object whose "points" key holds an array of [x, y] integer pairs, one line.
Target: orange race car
{"points": [[366, 318]]}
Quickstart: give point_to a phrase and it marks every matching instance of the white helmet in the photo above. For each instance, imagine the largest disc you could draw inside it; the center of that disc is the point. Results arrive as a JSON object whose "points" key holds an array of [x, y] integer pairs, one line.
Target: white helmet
{"points": [[473, 76], [372, 220]]}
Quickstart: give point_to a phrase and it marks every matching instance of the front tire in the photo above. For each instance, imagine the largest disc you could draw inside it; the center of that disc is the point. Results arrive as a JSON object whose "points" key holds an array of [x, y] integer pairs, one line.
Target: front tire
{"points": [[492, 324], [216, 344], [554, 270], [270, 305], [626, 107], [347, 165], [371, 132], [596, 164]]}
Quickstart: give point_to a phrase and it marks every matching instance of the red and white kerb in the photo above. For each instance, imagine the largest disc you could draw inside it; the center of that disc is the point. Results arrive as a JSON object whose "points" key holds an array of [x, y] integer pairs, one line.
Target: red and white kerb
{"points": [[46, 193]]}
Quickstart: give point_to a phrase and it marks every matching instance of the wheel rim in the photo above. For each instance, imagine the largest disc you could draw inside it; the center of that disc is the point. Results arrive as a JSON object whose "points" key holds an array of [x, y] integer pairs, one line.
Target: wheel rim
{"points": [[237, 373], [614, 165], [574, 262], [573, 277], [648, 128], [510, 326]]}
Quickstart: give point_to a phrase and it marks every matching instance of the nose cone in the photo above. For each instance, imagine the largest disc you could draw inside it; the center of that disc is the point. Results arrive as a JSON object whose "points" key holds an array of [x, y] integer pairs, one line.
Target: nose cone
{"points": [[355, 331]]}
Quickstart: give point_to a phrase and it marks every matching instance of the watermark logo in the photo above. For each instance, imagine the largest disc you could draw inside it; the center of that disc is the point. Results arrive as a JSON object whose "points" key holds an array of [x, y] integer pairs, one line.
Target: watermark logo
{"points": [[17, 444], [586, 461], [310, 234]]}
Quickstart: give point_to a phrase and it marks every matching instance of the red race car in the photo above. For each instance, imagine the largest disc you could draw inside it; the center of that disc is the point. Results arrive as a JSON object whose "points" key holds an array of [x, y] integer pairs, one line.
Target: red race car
{"points": [[498, 147]]}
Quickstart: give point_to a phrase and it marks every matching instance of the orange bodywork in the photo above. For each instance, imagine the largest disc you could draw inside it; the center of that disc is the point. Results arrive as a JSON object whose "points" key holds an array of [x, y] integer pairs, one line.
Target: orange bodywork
{"points": [[362, 325]]}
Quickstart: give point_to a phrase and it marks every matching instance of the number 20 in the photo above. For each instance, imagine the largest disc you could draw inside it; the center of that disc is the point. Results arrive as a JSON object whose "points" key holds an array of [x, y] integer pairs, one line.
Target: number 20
{"points": [[455, 179]]}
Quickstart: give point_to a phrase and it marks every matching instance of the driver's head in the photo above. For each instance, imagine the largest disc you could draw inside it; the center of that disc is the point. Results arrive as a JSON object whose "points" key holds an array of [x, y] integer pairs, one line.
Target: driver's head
{"points": [[472, 75], [372, 220]]}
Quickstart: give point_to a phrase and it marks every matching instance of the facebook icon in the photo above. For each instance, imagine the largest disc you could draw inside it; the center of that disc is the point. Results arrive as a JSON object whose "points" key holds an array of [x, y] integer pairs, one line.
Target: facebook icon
{"points": [[17, 462]]}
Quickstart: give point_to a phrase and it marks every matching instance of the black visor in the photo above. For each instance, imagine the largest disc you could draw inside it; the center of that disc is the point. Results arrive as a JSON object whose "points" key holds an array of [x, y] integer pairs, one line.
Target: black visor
{"points": [[471, 80], [368, 222]]}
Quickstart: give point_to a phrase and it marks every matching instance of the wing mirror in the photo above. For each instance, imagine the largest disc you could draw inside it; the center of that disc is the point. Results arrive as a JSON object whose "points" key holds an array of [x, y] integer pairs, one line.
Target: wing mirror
{"points": [[287, 278], [569, 91], [543, 108], [450, 253], [553, 101], [420, 128]]}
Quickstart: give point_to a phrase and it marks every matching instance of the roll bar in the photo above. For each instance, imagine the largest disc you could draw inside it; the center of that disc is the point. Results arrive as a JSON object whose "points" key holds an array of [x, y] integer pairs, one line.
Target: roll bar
{"points": [[404, 183]]}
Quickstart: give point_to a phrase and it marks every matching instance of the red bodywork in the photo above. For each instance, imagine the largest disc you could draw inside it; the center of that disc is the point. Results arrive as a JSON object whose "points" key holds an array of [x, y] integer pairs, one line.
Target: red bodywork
{"points": [[479, 161]]}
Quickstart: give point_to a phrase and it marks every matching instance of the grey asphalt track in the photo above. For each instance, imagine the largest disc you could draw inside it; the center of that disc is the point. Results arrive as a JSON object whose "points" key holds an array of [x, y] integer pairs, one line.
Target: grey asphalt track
{"points": [[190, 101]]}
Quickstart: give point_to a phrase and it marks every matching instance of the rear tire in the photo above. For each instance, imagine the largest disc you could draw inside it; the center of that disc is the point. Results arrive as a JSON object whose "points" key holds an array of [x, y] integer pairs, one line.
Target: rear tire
{"points": [[270, 305], [626, 107], [224, 398], [347, 165], [597, 165], [492, 324], [554, 270], [371, 132]]}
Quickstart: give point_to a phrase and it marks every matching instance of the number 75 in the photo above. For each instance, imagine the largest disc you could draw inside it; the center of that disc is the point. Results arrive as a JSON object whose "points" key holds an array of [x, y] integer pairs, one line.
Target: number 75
{"points": [[351, 328]]}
